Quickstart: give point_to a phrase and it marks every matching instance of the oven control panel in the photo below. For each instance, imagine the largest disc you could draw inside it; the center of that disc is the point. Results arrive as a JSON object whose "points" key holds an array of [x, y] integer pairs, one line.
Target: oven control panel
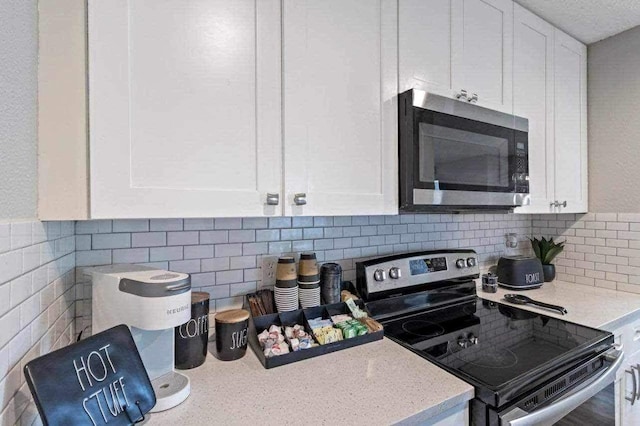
{"points": [[411, 269]]}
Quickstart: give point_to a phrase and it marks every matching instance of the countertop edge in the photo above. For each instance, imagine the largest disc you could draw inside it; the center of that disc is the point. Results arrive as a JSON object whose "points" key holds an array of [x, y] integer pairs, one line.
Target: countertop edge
{"points": [[437, 410]]}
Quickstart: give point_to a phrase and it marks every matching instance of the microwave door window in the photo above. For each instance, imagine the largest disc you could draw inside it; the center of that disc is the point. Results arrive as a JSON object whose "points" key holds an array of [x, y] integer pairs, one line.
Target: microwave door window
{"points": [[462, 160]]}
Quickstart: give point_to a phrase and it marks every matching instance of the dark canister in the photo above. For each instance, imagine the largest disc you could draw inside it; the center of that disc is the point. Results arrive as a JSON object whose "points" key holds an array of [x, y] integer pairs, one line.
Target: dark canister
{"points": [[191, 337], [330, 282], [231, 334]]}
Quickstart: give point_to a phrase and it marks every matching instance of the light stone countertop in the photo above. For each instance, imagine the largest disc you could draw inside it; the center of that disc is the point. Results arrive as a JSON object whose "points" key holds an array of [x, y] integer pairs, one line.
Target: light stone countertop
{"points": [[591, 306], [378, 383]]}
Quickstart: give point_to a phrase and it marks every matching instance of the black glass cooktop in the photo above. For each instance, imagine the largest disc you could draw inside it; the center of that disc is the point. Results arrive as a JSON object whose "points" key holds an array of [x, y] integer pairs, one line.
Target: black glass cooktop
{"points": [[495, 347]]}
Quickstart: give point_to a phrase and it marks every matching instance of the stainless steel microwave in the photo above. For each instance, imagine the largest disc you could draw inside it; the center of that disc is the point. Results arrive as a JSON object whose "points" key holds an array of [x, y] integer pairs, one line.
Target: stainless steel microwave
{"points": [[455, 155]]}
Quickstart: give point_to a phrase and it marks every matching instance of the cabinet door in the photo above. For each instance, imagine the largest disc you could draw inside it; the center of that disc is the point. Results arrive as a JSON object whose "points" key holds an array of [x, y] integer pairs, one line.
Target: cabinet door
{"points": [[570, 153], [340, 106], [626, 412], [533, 99], [424, 39], [482, 43], [184, 107]]}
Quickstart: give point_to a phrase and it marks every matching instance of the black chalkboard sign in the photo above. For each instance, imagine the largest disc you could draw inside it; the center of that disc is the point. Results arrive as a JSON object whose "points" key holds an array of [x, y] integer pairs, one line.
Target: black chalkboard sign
{"points": [[98, 381]]}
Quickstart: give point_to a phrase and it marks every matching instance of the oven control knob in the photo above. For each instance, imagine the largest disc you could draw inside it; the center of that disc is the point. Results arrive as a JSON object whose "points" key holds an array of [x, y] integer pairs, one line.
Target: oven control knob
{"points": [[395, 273], [380, 275], [471, 262], [461, 263]]}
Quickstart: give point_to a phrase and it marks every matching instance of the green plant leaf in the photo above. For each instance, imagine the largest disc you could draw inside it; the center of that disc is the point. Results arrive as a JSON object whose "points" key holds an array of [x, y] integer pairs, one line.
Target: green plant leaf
{"points": [[553, 252], [535, 245]]}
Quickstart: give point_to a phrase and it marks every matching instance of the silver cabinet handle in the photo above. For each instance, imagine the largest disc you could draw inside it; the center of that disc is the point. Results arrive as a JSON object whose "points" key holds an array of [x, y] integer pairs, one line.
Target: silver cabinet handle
{"points": [[462, 95], [557, 203], [300, 199], [637, 367], [635, 386], [273, 199], [473, 98]]}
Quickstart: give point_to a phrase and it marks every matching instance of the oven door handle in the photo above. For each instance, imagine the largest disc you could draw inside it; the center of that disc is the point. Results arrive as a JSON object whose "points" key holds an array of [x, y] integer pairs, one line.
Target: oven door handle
{"points": [[573, 399]]}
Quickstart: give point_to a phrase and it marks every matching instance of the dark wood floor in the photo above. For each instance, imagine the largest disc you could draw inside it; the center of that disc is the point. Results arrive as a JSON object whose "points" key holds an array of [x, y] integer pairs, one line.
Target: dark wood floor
{"points": [[598, 411]]}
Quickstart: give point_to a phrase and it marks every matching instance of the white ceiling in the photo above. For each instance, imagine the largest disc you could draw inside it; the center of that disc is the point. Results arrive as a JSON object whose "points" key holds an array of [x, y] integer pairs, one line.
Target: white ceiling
{"points": [[587, 20]]}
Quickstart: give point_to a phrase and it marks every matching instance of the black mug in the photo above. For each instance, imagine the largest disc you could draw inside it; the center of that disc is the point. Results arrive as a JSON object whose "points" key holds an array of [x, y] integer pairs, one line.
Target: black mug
{"points": [[191, 337], [232, 333]]}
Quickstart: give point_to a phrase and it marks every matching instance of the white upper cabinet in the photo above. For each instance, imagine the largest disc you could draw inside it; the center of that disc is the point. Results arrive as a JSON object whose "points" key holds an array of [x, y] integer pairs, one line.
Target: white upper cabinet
{"points": [[446, 46], [185, 107], [482, 44], [549, 89], [424, 39], [340, 110], [533, 98], [570, 154]]}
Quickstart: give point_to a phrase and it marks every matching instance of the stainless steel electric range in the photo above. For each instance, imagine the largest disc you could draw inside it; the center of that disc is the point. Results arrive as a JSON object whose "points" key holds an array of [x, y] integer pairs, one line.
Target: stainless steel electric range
{"points": [[527, 369]]}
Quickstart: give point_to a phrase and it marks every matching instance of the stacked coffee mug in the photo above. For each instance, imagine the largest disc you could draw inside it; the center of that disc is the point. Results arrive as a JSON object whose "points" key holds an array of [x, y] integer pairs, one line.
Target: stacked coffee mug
{"points": [[309, 280], [286, 289]]}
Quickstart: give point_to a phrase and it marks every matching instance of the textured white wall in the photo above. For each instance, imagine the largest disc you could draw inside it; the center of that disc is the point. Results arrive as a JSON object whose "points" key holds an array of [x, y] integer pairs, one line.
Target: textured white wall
{"points": [[614, 123], [18, 108]]}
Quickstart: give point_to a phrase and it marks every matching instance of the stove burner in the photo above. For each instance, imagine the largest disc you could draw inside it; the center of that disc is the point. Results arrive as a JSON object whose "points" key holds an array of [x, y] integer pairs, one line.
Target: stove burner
{"points": [[423, 328], [489, 358]]}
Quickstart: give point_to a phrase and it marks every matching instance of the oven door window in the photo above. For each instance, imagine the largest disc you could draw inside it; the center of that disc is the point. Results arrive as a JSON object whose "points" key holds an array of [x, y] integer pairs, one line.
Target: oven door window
{"points": [[460, 154]]}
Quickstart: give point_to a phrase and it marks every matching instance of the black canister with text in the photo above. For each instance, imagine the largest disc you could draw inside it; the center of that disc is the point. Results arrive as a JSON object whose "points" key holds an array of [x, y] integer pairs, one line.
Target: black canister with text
{"points": [[231, 334], [192, 337]]}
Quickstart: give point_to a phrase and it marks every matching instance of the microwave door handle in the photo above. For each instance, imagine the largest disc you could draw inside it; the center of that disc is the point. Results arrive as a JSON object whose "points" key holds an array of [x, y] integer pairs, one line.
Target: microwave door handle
{"points": [[569, 402]]}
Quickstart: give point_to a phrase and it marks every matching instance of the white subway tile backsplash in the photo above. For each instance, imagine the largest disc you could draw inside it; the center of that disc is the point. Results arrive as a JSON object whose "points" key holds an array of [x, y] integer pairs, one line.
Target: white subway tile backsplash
{"points": [[149, 239], [157, 254], [279, 247], [110, 241], [166, 225], [5, 237], [214, 264], [255, 248], [228, 277], [183, 238], [227, 250], [228, 223], [255, 222], [280, 222], [296, 234], [134, 255], [268, 235], [10, 265], [131, 225], [198, 252], [186, 266], [198, 224], [214, 237], [21, 235], [83, 242], [86, 227], [242, 262], [244, 236], [93, 258]]}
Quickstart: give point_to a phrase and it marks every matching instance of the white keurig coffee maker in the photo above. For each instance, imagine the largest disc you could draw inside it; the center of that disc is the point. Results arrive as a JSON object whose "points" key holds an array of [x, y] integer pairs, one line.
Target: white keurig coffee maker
{"points": [[151, 302]]}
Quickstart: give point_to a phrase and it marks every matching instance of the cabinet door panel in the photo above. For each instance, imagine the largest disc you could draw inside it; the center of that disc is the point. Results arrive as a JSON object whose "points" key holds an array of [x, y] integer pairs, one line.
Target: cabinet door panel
{"points": [[570, 123], [483, 50], [340, 108], [184, 107], [533, 99], [424, 37]]}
